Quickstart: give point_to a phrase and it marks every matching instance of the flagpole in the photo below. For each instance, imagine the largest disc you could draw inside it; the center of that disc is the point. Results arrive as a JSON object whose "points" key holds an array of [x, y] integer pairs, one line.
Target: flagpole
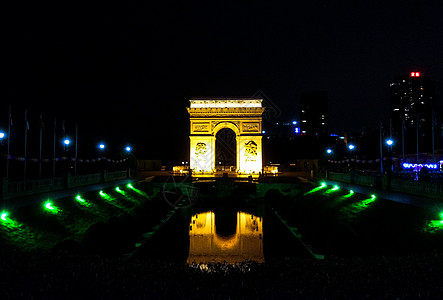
{"points": [[418, 119], [26, 143], [40, 160], [403, 136], [9, 141], [53, 157], [433, 142], [381, 148], [76, 142]]}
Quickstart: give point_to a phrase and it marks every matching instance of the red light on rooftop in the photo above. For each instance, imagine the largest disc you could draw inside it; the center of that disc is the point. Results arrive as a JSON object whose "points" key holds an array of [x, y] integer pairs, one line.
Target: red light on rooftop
{"points": [[415, 74]]}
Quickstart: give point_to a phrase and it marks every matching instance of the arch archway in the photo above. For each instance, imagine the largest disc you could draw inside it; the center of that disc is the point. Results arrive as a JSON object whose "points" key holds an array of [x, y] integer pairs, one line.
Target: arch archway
{"points": [[225, 150], [242, 116]]}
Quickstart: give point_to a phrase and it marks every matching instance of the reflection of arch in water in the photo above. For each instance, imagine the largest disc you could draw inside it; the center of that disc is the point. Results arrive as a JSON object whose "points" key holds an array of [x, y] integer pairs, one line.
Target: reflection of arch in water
{"points": [[205, 245]]}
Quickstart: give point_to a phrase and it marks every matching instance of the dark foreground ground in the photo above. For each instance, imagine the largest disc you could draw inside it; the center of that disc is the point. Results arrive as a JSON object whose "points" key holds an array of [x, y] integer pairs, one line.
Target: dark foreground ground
{"points": [[67, 276]]}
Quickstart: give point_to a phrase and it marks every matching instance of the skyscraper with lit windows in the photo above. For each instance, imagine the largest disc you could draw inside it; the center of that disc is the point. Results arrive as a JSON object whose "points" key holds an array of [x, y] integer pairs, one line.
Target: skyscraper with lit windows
{"points": [[412, 102], [314, 114]]}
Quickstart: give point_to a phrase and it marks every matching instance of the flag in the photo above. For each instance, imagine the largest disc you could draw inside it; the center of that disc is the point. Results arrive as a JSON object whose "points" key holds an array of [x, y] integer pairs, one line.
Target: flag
{"points": [[26, 119], [42, 125]]}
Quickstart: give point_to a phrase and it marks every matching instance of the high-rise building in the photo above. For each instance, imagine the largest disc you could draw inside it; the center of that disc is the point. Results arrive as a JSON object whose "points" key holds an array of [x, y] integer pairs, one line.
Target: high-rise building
{"points": [[412, 102], [314, 114]]}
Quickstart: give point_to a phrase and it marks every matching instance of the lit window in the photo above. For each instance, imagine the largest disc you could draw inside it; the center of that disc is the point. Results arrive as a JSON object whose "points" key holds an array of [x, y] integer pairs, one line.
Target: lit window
{"points": [[304, 121], [396, 109]]}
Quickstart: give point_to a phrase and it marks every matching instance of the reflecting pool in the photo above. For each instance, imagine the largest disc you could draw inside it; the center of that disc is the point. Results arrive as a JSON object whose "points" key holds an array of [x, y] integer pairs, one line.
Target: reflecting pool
{"points": [[206, 246]]}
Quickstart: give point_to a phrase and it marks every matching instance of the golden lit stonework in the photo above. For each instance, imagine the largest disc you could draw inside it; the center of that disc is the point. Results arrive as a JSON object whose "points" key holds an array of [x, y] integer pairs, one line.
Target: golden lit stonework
{"points": [[206, 246], [242, 116]]}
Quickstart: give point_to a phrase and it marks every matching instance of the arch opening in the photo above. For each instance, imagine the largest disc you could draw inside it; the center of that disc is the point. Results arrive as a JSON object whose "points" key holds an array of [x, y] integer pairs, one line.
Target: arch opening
{"points": [[225, 150]]}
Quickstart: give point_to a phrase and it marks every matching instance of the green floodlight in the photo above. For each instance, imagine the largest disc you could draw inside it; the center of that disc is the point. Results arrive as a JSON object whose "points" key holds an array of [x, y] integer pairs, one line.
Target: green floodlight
{"points": [[323, 184], [129, 186], [79, 198], [120, 191], [336, 187], [351, 192], [48, 205], [103, 194], [3, 216], [373, 197]]}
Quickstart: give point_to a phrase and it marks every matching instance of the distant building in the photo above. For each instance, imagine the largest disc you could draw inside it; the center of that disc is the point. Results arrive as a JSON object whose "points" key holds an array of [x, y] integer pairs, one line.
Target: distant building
{"points": [[314, 114], [412, 101]]}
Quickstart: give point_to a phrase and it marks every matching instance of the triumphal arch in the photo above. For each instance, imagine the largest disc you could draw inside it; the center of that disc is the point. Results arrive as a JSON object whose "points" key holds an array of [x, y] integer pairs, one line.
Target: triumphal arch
{"points": [[242, 115]]}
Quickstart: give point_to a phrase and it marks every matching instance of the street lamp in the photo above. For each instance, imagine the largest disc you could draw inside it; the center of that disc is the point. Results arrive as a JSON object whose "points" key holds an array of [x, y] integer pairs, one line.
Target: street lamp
{"points": [[2, 135], [101, 146], [390, 142], [66, 142], [329, 151], [351, 147], [128, 149]]}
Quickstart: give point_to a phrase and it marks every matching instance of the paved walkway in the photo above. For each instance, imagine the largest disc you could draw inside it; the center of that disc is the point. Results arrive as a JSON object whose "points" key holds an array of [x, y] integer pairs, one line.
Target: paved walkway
{"points": [[28, 200]]}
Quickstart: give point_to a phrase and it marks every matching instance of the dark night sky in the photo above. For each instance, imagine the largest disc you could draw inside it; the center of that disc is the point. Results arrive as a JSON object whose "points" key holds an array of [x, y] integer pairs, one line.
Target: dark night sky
{"points": [[126, 71]]}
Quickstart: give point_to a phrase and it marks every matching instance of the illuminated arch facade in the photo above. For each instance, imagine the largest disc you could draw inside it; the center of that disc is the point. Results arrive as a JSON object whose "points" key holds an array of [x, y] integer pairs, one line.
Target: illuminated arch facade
{"points": [[243, 116]]}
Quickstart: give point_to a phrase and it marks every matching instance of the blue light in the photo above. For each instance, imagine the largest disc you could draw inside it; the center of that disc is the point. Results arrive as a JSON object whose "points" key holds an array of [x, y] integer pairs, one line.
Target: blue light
{"points": [[333, 134], [297, 129], [128, 149], [101, 146], [351, 147], [419, 166], [263, 132], [389, 142], [329, 151], [2, 135], [294, 122], [66, 142]]}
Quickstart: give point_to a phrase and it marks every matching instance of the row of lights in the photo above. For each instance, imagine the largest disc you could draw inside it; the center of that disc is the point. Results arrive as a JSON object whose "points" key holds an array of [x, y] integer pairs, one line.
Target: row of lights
{"points": [[67, 142], [101, 146], [351, 147], [48, 205]]}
